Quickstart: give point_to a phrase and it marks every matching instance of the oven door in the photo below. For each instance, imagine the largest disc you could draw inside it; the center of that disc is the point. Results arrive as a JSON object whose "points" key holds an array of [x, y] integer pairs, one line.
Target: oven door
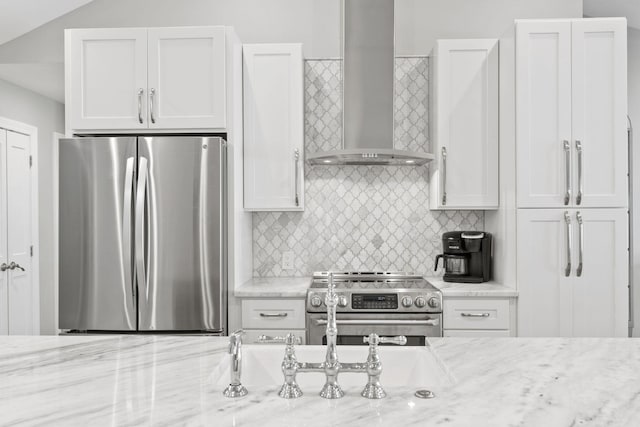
{"points": [[352, 327]]}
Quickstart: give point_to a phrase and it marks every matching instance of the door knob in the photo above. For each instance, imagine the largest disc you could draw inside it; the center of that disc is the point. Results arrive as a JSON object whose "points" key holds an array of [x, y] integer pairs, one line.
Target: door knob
{"points": [[13, 266], [4, 266]]}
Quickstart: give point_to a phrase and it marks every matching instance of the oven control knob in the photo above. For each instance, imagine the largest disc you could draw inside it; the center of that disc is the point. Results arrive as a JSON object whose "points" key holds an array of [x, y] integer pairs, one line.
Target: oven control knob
{"points": [[420, 302], [434, 302], [407, 301], [316, 301], [342, 301]]}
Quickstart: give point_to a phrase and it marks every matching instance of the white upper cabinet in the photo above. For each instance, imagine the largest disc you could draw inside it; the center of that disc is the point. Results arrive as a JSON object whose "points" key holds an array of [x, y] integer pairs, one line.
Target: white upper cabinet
{"points": [[571, 113], [138, 78], [572, 272], [464, 124], [106, 78], [273, 127], [186, 77]]}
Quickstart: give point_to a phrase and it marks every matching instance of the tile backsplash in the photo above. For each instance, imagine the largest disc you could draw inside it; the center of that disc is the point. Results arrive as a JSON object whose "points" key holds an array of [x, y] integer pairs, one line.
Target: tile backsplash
{"points": [[359, 217]]}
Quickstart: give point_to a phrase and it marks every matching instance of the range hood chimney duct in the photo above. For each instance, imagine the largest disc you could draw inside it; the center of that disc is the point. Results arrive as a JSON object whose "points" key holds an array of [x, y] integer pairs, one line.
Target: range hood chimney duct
{"points": [[368, 89]]}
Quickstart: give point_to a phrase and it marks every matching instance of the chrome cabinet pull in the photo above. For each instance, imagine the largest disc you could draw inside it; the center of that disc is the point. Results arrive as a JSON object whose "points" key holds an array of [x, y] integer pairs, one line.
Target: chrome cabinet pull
{"points": [[266, 339], [567, 221], [475, 314], [140, 93], [567, 173], [152, 94], [580, 243], [444, 176], [274, 314], [4, 267], [15, 265], [139, 233], [580, 189], [428, 322], [296, 155]]}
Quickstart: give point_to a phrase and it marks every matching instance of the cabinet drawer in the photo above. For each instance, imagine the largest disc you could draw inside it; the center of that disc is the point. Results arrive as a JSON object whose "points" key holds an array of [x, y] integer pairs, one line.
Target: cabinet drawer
{"points": [[273, 313], [251, 335], [476, 333], [459, 313]]}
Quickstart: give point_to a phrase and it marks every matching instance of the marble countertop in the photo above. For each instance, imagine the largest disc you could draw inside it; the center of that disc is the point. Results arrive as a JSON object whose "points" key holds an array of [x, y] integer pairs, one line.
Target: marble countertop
{"points": [[296, 287], [274, 287], [167, 380], [487, 289]]}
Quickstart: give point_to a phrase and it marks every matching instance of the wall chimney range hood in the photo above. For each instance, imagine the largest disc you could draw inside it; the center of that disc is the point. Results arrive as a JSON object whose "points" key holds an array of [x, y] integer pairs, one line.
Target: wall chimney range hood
{"points": [[368, 90]]}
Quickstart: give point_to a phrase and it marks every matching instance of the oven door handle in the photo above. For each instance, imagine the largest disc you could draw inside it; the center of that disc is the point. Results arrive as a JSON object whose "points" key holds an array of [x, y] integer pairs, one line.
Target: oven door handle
{"points": [[429, 322]]}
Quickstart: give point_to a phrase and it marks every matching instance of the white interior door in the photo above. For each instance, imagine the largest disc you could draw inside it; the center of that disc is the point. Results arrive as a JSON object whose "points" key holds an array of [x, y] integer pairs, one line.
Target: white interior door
{"points": [[107, 78], [599, 112], [187, 77], [544, 299], [4, 291], [18, 195], [543, 112], [600, 297]]}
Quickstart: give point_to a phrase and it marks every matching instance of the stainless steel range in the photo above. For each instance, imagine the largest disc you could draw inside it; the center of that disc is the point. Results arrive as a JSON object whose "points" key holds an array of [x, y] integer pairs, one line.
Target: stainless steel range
{"points": [[385, 303]]}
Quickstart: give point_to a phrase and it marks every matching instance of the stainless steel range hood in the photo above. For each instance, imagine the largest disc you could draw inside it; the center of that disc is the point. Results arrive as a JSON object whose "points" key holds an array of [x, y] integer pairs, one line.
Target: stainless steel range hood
{"points": [[368, 89]]}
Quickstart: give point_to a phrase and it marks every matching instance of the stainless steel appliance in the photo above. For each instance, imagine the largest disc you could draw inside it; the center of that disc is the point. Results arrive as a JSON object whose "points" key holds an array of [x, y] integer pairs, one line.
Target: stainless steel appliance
{"points": [[384, 303], [143, 234], [467, 256]]}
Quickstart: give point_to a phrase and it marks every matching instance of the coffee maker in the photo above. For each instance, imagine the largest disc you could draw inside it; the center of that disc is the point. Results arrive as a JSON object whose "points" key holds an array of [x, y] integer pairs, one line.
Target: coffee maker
{"points": [[466, 257]]}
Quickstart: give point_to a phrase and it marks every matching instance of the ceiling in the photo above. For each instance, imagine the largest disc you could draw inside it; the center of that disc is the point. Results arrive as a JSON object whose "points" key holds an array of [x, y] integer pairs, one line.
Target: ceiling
{"points": [[628, 8], [18, 17]]}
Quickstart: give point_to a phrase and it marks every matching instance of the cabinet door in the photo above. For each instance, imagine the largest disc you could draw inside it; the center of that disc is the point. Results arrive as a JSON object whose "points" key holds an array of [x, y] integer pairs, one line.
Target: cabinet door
{"points": [[273, 127], [106, 78], [599, 112], [543, 113], [600, 274], [4, 275], [543, 266], [466, 129], [20, 283], [187, 77]]}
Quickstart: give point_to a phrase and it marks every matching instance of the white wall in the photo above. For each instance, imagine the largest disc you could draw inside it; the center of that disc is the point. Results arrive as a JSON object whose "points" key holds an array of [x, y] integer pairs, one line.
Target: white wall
{"points": [[47, 115], [633, 90]]}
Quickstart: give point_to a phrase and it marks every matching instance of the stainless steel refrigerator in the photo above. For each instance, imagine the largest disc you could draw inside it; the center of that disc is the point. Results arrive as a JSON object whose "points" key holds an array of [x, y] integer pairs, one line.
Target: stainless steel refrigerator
{"points": [[142, 234]]}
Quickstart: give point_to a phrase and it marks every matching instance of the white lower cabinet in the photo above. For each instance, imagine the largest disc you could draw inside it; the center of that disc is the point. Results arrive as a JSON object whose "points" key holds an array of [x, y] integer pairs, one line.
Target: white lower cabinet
{"points": [[573, 272], [273, 317], [478, 316]]}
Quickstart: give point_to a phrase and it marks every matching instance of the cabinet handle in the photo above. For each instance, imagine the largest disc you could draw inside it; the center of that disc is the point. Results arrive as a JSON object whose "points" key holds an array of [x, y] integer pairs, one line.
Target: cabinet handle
{"points": [[580, 243], [140, 93], [474, 314], [15, 265], [296, 157], [579, 151], [274, 314], [444, 176], [266, 339], [567, 173], [152, 94], [4, 267], [567, 221]]}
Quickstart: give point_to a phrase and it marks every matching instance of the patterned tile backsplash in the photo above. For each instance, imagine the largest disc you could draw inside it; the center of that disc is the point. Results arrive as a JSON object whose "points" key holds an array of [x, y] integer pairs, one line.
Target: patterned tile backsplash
{"points": [[359, 217]]}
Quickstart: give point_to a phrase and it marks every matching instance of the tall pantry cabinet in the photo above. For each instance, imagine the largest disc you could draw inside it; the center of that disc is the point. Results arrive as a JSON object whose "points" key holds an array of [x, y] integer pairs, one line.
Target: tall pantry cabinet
{"points": [[572, 177]]}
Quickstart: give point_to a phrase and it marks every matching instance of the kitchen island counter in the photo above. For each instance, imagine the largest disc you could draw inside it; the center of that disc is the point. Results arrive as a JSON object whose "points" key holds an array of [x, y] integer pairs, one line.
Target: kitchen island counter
{"points": [[167, 380]]}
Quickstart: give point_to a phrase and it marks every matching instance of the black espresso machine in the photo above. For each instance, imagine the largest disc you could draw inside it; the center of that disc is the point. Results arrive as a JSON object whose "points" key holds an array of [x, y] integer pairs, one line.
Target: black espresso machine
{"points": [[467, 256]]}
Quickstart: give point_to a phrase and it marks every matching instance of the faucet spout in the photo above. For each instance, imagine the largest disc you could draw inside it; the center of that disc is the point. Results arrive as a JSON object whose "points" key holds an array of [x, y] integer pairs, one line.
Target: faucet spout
{"points": [[331, 389]]}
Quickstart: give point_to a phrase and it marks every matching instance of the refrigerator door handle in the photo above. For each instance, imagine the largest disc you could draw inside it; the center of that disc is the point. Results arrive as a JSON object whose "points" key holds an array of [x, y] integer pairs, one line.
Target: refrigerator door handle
{"points": [[126, 226], [143, 291]]}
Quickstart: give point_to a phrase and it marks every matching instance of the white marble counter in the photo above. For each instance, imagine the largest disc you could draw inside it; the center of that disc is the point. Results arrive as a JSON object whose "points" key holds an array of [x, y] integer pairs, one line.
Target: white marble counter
{"points": [[487, 289], [163, 380], [274, 287]]}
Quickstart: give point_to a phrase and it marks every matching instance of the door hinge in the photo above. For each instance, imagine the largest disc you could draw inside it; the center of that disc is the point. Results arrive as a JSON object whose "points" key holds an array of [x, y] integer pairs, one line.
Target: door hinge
{"points": [[30, 161], [31, 250]]}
